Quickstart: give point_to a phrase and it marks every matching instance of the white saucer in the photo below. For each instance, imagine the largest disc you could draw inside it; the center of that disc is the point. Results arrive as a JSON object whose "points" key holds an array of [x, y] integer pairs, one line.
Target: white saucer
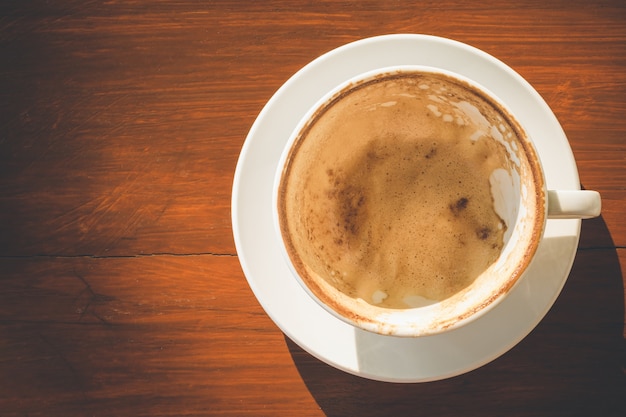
{"points": [[358, 352]]}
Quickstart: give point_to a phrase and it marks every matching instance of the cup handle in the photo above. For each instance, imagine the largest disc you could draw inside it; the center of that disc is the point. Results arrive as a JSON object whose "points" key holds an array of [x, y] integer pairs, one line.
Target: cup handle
{"points": [[573, 204]]}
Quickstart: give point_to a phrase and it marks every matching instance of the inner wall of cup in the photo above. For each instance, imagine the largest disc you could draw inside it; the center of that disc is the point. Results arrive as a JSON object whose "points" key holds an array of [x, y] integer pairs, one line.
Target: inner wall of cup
{"points": [[509, 197], [519, 199]]}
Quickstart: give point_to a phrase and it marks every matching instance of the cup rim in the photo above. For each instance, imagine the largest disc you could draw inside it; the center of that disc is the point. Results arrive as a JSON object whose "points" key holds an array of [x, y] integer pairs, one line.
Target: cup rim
{"points": [[457, 321]]}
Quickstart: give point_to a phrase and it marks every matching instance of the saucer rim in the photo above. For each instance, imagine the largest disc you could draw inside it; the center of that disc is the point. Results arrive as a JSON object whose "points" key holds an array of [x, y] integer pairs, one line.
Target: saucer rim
{"points": [[323, 61]]}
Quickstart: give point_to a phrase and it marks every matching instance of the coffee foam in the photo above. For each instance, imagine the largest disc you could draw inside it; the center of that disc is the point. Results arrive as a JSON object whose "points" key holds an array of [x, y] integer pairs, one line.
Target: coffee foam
{"points": [[388, 199]]}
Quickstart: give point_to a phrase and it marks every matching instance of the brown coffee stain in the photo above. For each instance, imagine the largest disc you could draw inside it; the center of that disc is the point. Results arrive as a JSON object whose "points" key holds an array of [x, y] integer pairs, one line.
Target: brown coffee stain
{"points": [[407, 207]]}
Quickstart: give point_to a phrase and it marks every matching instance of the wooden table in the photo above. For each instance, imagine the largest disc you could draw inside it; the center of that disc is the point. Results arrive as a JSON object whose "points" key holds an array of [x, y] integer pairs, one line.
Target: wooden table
{"points": [[121, 293]]}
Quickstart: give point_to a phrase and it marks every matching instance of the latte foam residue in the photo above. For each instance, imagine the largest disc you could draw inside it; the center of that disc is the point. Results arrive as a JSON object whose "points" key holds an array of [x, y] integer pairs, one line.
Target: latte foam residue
{"points": [[387, 197]]}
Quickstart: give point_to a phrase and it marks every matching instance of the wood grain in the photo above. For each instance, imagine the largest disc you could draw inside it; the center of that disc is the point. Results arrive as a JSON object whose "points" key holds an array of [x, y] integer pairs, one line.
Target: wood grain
{"points": [[120, 288], [183, 335]]}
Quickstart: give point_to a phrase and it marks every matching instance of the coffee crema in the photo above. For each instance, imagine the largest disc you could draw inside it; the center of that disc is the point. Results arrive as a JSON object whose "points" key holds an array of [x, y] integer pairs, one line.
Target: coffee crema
{"points": [[385, 194]]}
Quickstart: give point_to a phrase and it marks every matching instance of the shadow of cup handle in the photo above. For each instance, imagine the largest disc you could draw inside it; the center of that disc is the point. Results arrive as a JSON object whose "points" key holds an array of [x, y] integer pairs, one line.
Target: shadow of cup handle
{"points": [[573, 204]]}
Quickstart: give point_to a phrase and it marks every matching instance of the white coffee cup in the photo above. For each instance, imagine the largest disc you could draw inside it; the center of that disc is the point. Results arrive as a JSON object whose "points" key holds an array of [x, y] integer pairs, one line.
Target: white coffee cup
{"points": [[329, 199]]}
